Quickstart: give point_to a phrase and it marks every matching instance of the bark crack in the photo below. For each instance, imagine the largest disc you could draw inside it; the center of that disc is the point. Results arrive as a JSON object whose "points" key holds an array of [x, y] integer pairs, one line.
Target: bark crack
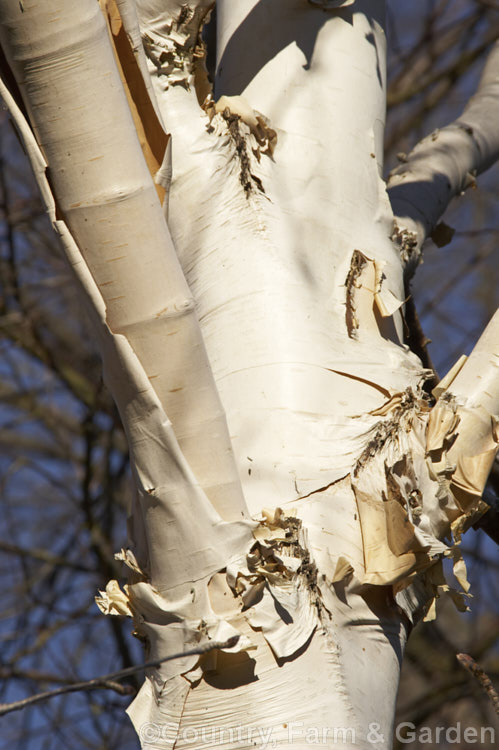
{"points": [[320, 489], [351, 283], [376, 386], [246, 177]]}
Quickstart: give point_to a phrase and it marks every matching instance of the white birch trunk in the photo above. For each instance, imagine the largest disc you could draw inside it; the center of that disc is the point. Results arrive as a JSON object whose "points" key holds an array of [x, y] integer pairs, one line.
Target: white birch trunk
{"points": [[281, 222]]}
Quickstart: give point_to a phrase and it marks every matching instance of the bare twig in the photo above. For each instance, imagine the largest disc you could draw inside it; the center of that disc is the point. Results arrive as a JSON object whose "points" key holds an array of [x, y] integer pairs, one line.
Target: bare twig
{"points": [[43, 555], [108, 681], [417, 341], [470, 664]]}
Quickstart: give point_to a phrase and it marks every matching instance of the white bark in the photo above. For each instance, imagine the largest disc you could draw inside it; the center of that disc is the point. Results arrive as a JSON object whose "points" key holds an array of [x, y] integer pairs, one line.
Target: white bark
{"points": [[282, 225], [444, 164], [114, 215], [286, 254]]}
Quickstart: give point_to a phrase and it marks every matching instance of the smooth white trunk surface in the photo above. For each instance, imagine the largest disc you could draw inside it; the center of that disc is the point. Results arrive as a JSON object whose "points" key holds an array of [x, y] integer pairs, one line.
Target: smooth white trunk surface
{"points": [[269, 270], [103, 190], [283, 230]]}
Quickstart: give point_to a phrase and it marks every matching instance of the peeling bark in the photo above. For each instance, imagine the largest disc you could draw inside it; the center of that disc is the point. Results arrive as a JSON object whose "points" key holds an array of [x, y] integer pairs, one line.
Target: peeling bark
{"points": [[296, 484]]}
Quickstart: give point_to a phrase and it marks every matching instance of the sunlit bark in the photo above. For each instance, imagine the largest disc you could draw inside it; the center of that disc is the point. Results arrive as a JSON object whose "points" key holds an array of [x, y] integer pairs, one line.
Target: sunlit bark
{"points": [[287, 255], [445, 164]]}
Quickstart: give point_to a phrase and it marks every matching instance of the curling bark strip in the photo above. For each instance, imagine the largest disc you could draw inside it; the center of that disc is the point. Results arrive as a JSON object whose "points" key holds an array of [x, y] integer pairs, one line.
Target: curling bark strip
{"points": [[63, 61], [166, 596], [284, 232]]}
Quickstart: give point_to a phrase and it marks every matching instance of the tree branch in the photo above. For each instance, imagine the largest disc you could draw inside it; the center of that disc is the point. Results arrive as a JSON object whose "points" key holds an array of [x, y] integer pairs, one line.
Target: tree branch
{"points": [[489, 522], [483, 679], [108, 681], [445, 163], [44, 556], [467, 401]]}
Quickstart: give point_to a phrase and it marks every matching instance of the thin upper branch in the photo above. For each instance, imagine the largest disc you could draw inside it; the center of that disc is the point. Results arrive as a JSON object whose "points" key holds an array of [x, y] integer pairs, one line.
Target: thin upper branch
{"points": [[108, 681]]}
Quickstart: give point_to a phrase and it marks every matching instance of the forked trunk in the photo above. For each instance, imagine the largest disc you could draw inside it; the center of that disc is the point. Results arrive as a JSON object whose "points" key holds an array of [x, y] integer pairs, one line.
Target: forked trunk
{"points": [[254, 346]]}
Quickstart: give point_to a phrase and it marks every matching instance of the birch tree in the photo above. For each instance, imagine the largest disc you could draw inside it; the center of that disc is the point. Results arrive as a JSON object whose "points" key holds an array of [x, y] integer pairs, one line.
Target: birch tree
{"points": [[298, 484]]}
